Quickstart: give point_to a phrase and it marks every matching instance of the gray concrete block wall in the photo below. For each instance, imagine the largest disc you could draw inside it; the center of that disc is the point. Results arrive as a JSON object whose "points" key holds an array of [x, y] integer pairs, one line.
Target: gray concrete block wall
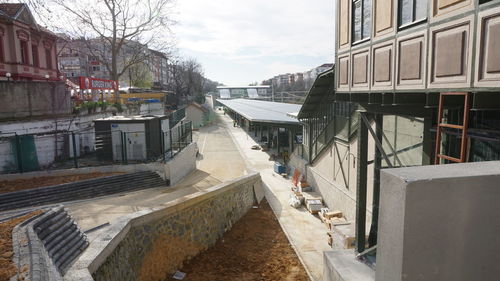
{"points": [[26, 99], [439, 223]]}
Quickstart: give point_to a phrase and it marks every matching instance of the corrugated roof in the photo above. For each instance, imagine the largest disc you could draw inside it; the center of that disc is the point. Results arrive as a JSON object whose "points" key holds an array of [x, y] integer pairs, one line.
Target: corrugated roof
{"points": [[322, 87], [263, 111], [244, 87]]}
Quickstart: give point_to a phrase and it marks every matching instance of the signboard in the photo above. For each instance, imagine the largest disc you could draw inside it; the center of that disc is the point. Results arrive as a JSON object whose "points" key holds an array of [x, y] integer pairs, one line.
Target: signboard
{"points": [[97, 84], [299, 138]]}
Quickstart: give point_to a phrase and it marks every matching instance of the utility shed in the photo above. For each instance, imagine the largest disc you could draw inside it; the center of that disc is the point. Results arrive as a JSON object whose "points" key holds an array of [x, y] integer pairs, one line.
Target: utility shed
{"points": [[270, 121], [135, 138], [196, 113]]}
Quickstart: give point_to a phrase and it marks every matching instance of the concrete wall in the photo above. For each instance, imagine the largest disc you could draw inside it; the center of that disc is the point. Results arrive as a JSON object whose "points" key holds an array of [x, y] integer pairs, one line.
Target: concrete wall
{"points": [[339, 188], [159, 168], [439, 223], [182, 164], [150, 245], [174, 170], [28, 99], [45, 138], [339, 191], [195, 115]]}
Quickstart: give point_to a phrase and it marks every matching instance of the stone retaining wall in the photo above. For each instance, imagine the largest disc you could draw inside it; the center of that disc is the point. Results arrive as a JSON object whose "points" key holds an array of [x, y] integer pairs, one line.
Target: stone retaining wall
{"points": [[151, 245]]}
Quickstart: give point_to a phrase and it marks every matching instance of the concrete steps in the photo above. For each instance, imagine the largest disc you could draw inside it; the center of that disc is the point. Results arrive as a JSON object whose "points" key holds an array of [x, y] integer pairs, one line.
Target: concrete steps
{"points": [[61, 237], [80, 190], [47, 245]]}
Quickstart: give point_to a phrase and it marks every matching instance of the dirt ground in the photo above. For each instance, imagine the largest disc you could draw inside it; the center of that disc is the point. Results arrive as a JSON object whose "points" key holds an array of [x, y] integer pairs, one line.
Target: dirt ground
{"points": [[21, 184], [7, 267], [255, 249]]}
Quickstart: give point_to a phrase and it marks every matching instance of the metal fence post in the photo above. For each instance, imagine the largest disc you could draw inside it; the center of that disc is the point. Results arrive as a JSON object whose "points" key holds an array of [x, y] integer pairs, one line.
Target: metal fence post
{"points": [[179, 135], [19, 153], [163, 152], [171, 150], [75, 157], [191, 132], [122, 137]]}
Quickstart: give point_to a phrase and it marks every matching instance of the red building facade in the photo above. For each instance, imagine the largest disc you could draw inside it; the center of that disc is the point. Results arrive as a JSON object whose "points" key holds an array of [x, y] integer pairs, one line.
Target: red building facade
{"points": [[27, 50]]}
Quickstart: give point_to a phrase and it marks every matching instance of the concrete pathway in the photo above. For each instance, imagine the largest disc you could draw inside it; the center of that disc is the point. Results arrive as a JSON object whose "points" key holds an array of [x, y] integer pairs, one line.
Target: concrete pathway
{"points": [[219, 161], [306, 232], [225, 153]]}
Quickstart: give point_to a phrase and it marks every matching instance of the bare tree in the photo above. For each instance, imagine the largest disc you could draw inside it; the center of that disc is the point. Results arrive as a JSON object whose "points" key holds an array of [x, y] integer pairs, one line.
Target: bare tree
{"points": [[139, 76], [118, 33], [187, 79]]}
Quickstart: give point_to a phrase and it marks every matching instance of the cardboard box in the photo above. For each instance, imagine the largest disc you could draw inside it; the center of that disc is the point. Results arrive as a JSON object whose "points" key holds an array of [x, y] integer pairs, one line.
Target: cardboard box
{"points": [[333, 214]]}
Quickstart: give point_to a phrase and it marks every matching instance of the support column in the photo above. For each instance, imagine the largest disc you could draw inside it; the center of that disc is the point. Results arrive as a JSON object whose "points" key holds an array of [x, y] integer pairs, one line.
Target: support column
{"points": [[372, 238], [278, 141], [361, 176], [269, 140], [427, 153]]}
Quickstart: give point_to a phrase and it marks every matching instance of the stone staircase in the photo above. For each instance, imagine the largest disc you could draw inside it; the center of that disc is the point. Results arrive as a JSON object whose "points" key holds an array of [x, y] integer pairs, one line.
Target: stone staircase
{"points": [[80, 190], [47, 245]]}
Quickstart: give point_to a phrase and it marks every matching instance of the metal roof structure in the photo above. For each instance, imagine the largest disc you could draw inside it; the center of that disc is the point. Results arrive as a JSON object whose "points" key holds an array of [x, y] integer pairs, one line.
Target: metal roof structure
{"points": [[244, 87], [323, 87], [263, 111]]}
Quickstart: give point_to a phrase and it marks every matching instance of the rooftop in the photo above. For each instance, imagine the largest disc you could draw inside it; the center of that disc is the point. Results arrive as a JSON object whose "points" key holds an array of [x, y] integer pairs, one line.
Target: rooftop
{"points": [[263, 111], [129, 118], [243, 87], [10, 9]]}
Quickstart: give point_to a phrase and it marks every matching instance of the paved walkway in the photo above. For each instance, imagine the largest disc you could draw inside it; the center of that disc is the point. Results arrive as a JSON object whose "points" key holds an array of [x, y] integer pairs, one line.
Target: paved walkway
{"points": [[219, 161], [306, 232], [225, 153]]}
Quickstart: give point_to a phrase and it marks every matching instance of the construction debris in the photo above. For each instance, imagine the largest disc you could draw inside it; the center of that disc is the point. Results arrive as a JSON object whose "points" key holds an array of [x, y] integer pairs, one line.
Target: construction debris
{"points": [[333, 214], [314, 205], [178, 275]]}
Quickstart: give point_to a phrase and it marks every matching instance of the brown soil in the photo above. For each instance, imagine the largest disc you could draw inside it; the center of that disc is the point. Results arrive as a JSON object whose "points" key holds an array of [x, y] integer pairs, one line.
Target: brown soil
{"points": [[22, 184], [255, 249], [7, 266]]}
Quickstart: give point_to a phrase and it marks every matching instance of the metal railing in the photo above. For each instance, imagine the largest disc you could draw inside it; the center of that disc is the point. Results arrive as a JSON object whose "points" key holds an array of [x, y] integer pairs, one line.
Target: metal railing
{"points": [[74, 149]]}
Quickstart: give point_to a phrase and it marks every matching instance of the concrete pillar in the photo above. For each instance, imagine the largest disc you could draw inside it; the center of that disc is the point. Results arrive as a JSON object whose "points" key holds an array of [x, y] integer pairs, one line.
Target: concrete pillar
{"points": [[439, 222], [278, 140], [361, 176], [372, 238]]}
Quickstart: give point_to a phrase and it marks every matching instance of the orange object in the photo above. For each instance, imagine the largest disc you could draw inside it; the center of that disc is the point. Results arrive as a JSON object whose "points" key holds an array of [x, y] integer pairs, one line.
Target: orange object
{"points": [[295, 178]]}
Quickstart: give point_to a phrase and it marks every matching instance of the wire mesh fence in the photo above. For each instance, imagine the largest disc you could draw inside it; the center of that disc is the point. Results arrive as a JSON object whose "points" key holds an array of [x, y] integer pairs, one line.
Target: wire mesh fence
{"points": [[87, 148]]}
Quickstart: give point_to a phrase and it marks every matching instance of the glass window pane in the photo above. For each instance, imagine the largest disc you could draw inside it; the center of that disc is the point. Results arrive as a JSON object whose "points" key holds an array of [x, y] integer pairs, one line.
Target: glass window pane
{"points": [[357, 21], [420, 9], [367, 14], [406, 12]]}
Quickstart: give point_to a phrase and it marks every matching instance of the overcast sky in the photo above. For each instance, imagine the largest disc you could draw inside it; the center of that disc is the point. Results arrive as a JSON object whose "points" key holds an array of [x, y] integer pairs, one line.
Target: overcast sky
{"points": [[243, 41]]}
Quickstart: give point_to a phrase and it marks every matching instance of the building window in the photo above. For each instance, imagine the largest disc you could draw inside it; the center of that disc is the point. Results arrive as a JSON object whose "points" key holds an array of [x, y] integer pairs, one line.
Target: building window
{"points": [[411, 11], [48, 57], [362, 12], [24, 52], [34, 54]]}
